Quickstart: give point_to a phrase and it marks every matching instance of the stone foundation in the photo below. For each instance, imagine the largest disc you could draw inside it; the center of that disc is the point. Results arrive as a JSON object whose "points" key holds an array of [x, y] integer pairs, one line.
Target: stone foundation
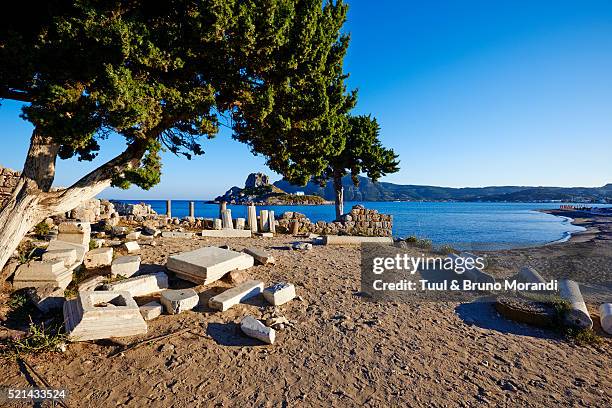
{"points": [[359, 221], [8, 181]]}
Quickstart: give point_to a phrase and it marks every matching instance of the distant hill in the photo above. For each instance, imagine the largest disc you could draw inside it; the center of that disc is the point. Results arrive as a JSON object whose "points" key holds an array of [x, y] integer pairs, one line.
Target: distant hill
{"points": [[370, 191]]}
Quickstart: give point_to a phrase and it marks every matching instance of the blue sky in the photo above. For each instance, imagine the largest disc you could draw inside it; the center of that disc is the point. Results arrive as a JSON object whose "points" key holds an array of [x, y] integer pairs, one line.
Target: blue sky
{"points": [[469, 93]]}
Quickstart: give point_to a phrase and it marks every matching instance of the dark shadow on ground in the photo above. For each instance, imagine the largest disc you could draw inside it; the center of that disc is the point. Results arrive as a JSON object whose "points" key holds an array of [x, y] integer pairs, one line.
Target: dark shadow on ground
{"points": [[229, 334], [484, 315]]}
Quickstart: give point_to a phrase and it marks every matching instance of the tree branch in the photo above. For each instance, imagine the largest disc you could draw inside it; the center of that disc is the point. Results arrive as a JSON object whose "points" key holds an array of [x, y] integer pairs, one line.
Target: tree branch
{"points": [[14, 95], [95, 182]]}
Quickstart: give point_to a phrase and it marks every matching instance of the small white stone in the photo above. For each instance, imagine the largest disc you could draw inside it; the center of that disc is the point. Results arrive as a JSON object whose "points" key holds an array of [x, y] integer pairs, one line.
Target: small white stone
{"points": [[133, 236], [151, 310], [256, 329], [132, 247]]}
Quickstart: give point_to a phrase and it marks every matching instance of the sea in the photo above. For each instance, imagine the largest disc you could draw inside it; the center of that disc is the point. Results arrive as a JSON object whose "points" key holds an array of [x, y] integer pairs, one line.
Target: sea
{"points": [[477, 226]]}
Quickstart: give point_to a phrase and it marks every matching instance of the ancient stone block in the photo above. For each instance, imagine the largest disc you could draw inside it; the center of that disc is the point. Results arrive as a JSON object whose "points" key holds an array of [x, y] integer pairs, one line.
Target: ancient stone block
{"points": [[131, 247], [101, 315], [80, 250], [151, 310], [98, 258], [207, 264], [40, 273], [235, 295], [46, 298], [227, 233], [125, 265], [68, 255], [177, 301], [133, 236], [256, 329], [279, 293], [260, 256], [141, 285]]}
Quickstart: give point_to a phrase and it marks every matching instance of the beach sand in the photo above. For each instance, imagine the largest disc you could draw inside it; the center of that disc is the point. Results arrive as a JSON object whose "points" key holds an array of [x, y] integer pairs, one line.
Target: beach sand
{"points": [[342, 350]]}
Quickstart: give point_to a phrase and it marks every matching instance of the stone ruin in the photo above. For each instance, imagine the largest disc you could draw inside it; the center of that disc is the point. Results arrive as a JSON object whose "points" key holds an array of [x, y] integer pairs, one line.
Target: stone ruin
{"points": [[8, 181], [358, 221]]}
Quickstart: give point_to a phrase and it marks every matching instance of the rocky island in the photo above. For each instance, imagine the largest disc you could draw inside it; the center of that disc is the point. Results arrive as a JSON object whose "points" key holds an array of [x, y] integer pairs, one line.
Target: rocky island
{"points": [[258, 190]]}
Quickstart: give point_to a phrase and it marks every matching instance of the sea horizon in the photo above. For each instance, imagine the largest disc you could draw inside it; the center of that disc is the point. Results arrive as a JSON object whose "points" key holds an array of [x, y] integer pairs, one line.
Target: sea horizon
{"points": [[464, 225]]}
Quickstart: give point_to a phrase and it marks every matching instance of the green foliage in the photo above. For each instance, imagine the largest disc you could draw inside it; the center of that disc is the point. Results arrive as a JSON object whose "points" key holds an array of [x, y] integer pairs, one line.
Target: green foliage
{"points": [[41, 229], [168, 74], [412, 239], [40, 339], [361, 152], [17, 300], [26, 252]]}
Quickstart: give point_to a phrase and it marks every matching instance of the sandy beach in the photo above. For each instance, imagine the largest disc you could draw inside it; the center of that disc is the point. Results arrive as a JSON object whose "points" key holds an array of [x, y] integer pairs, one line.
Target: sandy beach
{"points": [[341, 349]]}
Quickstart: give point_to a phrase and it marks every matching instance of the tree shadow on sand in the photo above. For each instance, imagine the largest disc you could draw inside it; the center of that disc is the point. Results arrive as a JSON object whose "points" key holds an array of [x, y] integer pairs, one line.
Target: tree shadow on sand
{"points": [[483, 315]]}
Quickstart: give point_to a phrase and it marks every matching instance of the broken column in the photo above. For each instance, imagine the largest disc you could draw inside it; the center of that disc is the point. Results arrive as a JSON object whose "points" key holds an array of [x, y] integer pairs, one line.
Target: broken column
{"points": [[272, 222], [75, 232], [235, 295], [192, 209], [530, 275], [226, 218], [169, 208], [222, 208], [217, 224], [252, 218], [578, 314], [605, 317], [264, 221], [260, 256], [101, 315], [256, 329], [177, 301], [240, 223]]}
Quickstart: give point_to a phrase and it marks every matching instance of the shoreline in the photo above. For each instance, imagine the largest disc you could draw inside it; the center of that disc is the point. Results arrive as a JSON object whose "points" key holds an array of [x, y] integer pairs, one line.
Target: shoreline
{"points": [[595, 226]]}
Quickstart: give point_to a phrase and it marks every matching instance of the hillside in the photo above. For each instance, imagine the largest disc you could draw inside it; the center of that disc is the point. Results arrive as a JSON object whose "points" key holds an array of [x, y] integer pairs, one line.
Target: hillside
{"points": [[370, 191]]}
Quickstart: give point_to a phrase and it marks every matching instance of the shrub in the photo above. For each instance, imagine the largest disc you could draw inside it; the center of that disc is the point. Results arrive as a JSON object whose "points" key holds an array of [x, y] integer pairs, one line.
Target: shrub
{"points": [[42, 229], [40, 339]]}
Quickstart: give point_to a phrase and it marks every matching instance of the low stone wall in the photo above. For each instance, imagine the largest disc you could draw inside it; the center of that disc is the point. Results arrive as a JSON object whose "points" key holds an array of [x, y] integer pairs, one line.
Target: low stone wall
{"points": [[359, 221], [8, 181]]}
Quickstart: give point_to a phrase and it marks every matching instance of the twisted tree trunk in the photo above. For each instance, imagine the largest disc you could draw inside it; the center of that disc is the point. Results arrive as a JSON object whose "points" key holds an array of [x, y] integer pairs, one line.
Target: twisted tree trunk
{"points": [[32, 200], [339, 196]]}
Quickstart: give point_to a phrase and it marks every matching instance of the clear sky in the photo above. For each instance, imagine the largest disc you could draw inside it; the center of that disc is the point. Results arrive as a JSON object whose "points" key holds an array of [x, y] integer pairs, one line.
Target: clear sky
{"points": [[469, 93]]}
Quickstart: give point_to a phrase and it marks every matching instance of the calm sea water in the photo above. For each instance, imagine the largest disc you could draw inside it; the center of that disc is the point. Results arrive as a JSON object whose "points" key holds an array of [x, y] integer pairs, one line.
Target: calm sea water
{"points": [[463, 225]]}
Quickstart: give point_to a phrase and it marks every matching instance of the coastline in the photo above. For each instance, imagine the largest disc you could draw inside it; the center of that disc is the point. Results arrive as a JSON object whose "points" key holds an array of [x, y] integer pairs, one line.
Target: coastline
{"points": [[595, 226]]}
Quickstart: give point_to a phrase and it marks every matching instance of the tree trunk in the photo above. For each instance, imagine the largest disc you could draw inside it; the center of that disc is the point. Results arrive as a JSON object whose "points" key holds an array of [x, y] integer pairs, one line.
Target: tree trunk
{"points": [[22, 211], [32, 201], [339, 189]]}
